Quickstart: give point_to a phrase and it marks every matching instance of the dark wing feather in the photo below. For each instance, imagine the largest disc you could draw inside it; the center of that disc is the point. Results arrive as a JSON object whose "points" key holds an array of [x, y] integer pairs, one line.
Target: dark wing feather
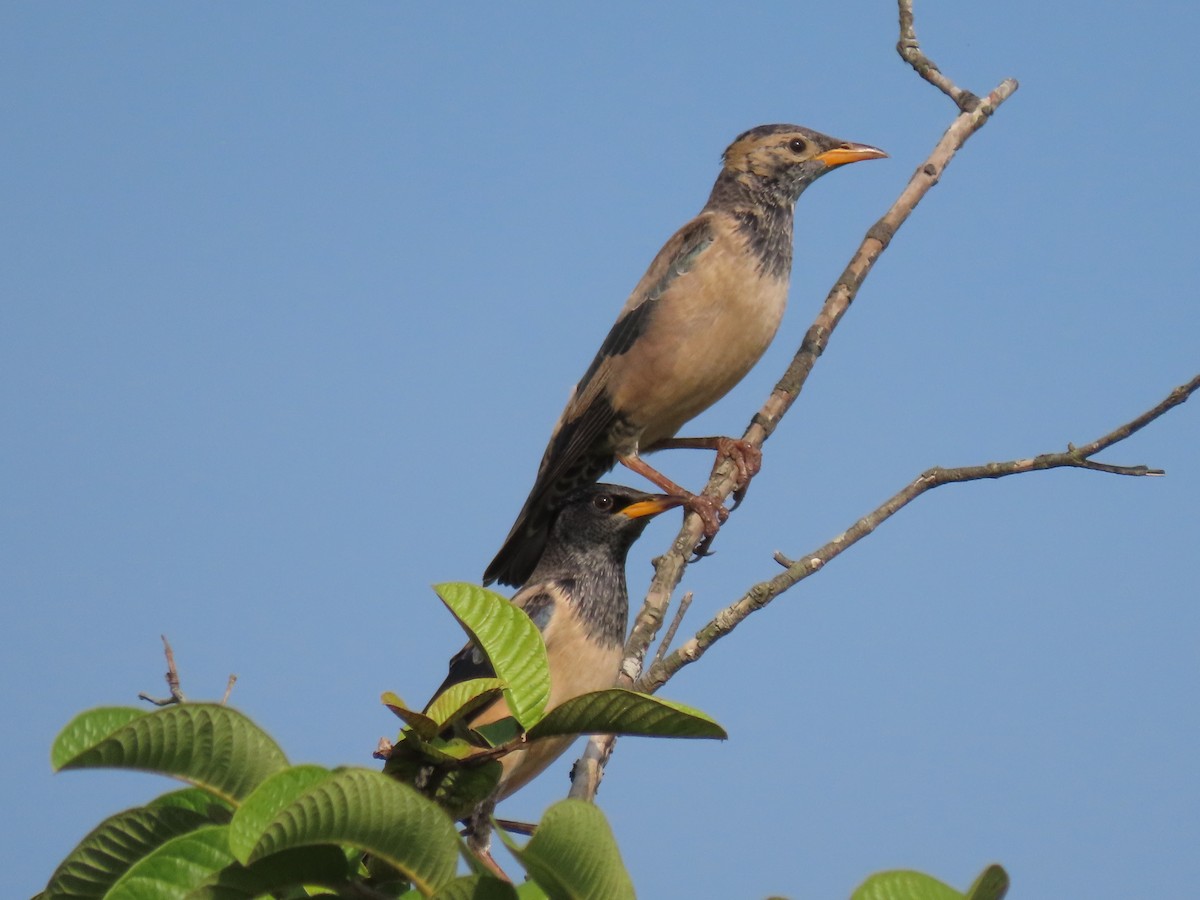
{"points": [[580, 450]]}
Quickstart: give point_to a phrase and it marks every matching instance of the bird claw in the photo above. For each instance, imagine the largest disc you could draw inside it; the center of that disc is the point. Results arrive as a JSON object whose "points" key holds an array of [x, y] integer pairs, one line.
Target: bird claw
{"points": [[748, 460], [713, 514], [701, 549]]}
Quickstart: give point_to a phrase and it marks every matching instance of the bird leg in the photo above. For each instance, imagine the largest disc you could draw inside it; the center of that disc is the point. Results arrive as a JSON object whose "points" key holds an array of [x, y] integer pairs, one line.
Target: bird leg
{"points": [[712, 513], [746, 457]]}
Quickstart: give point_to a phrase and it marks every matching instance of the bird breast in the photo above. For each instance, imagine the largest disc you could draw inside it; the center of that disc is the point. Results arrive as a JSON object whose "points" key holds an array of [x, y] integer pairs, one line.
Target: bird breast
{"points": [[707, 332], [579, 664]]}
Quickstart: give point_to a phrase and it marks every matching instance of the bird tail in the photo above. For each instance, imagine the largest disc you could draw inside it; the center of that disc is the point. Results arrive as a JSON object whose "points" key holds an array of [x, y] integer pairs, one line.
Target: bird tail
{"points": [[523, 547]]}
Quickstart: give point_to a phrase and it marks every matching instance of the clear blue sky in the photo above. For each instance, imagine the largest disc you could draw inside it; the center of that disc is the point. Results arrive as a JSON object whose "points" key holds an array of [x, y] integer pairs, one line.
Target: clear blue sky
{"points": [[292, 294]]}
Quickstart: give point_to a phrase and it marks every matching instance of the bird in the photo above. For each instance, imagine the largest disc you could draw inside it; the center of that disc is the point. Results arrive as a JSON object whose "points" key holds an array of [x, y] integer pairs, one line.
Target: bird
{"points": [[578, 599], [698, 320]]}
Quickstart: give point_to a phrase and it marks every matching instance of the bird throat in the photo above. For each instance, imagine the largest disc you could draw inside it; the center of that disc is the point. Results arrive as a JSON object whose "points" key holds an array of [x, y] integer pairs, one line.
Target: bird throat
{"points": [[764, 216], [767, 231], [602, 602]]}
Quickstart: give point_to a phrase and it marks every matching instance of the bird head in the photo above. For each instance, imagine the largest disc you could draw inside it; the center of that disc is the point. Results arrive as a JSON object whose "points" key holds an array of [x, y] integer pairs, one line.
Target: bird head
{"points": [[605, 518], [782, 160]]}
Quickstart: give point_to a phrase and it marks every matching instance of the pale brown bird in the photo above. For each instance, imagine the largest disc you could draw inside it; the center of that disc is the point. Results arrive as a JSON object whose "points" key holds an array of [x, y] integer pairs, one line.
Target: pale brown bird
{"points": [[700, 318], [577, 597]]}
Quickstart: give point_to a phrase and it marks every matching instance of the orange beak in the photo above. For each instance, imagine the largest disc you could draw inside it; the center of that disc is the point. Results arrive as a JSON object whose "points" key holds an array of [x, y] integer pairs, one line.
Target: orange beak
{"points": [[653, 506], [849, 152]]}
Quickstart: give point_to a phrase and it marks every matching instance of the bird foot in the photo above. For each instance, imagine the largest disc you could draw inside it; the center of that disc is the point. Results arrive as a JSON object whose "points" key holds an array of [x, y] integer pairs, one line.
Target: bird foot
{"points": [[712, 514], [748, 460]]}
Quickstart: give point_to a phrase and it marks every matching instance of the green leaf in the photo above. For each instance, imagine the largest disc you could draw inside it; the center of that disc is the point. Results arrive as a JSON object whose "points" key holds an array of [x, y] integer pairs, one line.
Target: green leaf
{"points": [[87, 729], [618, 711], [904, 884], [374, 813], [177, 867], [511, 642], [462, 699], [118, 842], [992, 884], [477, 887], [324, 866], [531, 890], [461, 790], [502, 731], [197, 800], [262, 806], [211, 746], [573, 855], [420, 723]]}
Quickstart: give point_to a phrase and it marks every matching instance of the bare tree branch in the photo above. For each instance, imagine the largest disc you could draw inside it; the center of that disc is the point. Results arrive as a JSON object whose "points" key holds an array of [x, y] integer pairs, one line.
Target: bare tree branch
{"points": [[797, 570], [173, 683], [669, 567], [680, 611], [228, 688], [910, 51], [588, 770], [172, 680]]}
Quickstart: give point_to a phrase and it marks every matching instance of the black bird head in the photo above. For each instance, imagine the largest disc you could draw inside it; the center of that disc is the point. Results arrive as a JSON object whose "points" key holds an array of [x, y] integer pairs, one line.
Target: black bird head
{"points": [[777, 162], [594, 527]]}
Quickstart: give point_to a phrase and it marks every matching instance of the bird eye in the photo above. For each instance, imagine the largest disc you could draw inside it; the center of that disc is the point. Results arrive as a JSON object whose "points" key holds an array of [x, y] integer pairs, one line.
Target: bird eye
{"points": [[797, 145], [603, 502]]}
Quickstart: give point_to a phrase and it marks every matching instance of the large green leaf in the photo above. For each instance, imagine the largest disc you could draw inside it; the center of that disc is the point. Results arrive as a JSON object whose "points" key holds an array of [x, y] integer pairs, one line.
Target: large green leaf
{"points": [[376, 814], [118, 842], [477, 887], [89, 728], [175, 868], [904, 884], [618, 711], [573, 856], [266, 802], [511, 642], [211, 746], [326, 866], [197, 800], [459, 791]]}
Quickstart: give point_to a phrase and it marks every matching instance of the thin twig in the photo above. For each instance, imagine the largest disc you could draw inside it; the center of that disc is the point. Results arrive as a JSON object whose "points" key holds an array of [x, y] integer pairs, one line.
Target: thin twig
{"points": [[684, 602], [172, 680], [228, 688], [797, 570], [910, 51]]}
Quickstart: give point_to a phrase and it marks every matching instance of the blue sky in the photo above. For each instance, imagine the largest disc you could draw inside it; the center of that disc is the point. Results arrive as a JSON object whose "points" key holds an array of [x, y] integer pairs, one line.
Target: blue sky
{"points": [[293, 294]]}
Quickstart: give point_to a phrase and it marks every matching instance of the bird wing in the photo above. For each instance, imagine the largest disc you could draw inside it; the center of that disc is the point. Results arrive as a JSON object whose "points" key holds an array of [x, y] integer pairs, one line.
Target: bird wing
{"points": [[580, 448], [590, 413]]}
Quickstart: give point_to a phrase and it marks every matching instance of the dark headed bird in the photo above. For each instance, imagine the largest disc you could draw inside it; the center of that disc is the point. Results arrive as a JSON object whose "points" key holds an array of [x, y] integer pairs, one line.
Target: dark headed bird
{"points": [[577, 598], [696, 323]]}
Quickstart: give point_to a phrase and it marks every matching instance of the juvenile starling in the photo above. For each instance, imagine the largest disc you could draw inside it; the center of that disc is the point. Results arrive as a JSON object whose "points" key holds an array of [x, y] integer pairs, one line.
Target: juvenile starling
{"points": [[700, 318]]}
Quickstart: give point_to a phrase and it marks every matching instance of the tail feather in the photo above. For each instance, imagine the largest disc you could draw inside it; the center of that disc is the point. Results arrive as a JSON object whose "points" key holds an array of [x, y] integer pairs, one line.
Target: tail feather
{"points": [[522, 549]]}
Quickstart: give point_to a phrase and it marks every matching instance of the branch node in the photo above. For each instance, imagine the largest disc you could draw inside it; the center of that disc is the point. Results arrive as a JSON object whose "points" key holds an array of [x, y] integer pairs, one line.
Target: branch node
{"points": [[883, 232]]}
